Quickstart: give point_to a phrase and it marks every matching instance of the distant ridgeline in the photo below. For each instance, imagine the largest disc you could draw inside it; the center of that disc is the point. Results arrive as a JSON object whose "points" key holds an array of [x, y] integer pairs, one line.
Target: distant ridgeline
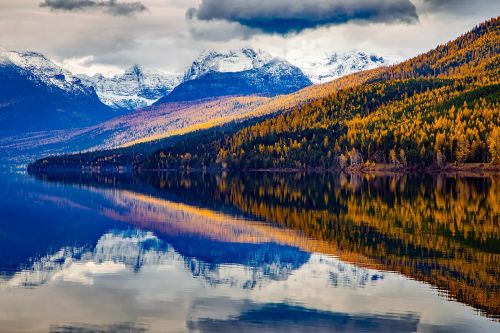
{"points": [[442, 106]]}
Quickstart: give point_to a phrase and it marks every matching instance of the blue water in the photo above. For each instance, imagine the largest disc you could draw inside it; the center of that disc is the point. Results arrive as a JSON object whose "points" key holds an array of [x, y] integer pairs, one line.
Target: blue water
{"points": [[169, 254]]}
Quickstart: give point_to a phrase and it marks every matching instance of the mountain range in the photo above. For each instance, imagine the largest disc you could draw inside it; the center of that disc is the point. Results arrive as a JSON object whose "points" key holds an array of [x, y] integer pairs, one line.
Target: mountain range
{"points": [[45, 109], [212, 74], [139, 87]]}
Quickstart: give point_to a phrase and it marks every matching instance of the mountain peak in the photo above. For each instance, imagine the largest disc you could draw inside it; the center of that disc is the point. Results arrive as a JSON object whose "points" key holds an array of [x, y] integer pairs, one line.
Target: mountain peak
{"points": [[42, 68], [334, 65], [136, 70], [237, 72], [136, 88], [226, 61]]}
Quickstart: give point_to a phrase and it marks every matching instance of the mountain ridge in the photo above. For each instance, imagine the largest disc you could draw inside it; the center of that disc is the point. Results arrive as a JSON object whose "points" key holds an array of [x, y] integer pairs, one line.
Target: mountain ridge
{"points": [[136, 88], [337, 64], [42, 68], [237, 60], [273, 78]]}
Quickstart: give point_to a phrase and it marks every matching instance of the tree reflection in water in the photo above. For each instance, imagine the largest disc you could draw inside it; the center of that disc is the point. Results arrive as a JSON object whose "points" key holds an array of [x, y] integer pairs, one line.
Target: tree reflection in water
{"points": [[441, 230]]}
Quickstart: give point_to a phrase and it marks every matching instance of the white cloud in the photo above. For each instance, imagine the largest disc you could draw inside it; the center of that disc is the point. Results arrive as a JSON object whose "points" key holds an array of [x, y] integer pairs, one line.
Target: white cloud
{"points": [[86, 65]]}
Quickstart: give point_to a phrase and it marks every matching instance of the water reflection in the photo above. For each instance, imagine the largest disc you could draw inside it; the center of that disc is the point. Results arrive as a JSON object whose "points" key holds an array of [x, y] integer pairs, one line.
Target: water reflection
{"points": [[282, 252], [85, 328], [114, 252], [257, 318]]}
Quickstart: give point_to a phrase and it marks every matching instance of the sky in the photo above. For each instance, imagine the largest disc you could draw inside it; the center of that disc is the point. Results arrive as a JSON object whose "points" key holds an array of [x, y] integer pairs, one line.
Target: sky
{"points": [[108, 36]]}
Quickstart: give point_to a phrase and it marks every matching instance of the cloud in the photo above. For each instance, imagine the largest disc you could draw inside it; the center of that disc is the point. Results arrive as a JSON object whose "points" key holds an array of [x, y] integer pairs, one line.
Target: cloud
{"points": [[219, 31], [87, 65], [447, 3], [459, 6], [112, 7], [292, 16]]}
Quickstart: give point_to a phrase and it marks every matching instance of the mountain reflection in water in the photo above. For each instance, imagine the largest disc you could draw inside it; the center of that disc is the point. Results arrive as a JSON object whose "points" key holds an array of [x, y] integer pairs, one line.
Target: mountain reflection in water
{"points": [[250, 252]]}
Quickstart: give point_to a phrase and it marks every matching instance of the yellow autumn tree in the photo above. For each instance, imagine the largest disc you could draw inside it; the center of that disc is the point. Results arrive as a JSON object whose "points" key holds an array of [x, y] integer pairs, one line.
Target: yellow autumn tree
{"points": [[494, 146]]}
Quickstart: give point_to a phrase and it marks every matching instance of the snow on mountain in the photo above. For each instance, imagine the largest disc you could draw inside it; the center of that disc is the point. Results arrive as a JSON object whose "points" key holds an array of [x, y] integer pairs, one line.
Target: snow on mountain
{"points": [[136, 88], [42, 68], [224, 62], [65, 101], [237, 73], [330, 67], [318, 69]]}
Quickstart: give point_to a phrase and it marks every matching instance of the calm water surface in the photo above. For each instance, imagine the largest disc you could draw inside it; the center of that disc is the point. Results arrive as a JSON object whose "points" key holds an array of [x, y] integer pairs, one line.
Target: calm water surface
{"points": [[249, 253]]}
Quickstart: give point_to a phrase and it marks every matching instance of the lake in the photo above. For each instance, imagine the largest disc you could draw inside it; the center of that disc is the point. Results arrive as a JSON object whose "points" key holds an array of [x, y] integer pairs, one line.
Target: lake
{"points": [[256, 252]]}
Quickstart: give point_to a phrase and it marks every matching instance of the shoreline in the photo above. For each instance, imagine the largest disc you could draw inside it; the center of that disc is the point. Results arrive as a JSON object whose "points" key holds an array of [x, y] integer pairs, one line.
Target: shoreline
{"points": [[451, 169]]}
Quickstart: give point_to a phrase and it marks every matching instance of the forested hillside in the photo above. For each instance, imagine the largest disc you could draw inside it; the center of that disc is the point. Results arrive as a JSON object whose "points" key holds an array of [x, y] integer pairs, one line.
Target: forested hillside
{"points": [[442, 106]]}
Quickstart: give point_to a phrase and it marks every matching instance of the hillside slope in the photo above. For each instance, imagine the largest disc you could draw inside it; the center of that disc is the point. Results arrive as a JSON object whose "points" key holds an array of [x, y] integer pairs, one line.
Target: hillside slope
{"points": [[266, 106], [166, 120]]}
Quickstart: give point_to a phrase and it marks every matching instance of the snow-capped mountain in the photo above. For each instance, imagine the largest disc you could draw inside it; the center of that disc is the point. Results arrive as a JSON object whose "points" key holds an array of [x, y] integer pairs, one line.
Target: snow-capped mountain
{"points": [[36, 94], [136, 88], [237, 72], [42, 69], [224, 62], [332, 66]]}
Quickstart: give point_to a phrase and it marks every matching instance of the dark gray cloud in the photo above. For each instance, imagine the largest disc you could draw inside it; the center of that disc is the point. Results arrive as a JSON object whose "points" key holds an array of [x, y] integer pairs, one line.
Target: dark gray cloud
{"points": [[292, 16], [112, 7], [219, 31]]}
